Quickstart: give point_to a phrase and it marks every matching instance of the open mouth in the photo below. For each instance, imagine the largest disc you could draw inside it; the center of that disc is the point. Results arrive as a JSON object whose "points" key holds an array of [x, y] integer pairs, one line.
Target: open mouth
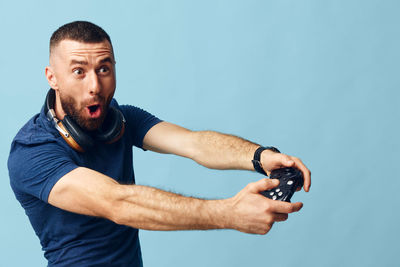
{"points": [[94, 110]]}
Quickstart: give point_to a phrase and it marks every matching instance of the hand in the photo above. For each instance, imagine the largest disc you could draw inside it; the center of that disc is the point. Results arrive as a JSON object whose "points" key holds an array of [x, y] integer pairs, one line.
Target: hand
{"points": [[253, 213], [271, 160]]}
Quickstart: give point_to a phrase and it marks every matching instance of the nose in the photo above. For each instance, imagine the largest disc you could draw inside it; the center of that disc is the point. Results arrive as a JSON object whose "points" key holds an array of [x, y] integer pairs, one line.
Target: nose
{"points": [[94, 85]]}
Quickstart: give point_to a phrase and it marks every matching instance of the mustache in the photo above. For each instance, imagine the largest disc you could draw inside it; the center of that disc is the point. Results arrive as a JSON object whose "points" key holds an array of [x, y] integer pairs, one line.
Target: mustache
{"points": [[94, 100]]}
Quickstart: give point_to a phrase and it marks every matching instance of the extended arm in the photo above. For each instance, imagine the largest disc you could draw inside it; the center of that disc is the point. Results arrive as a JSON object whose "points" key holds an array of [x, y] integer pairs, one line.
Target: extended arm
{"points": [[210, 149], [217, 150], [88, 192]]}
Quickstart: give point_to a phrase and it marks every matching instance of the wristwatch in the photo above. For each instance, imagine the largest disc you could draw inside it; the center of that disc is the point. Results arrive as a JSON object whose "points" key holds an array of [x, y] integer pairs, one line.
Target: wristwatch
{"points": [[257, 156]]}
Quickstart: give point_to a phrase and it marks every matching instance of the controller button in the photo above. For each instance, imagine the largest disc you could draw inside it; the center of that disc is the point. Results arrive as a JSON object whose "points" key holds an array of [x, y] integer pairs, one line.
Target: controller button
{"points": [[290, 182], [280, 194], [277, 190], [271, 194], [274, 197]]}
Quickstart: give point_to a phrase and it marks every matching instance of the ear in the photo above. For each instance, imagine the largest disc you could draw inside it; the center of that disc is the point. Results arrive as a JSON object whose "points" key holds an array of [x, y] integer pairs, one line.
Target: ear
{"points": [[51, 78]]}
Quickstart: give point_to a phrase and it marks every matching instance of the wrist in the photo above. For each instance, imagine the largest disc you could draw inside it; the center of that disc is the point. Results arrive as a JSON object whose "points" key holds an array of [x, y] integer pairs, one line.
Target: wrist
{"points": [[221, 212], [257, 160]]}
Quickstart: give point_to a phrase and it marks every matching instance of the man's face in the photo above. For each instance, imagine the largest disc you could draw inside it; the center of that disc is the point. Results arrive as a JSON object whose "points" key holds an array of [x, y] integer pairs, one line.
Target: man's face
{"points": [[83, 75]]}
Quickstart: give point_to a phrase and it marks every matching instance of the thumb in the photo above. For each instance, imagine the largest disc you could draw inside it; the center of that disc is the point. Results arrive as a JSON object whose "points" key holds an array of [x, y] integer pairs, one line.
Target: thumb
{"points": [[263, 184]]}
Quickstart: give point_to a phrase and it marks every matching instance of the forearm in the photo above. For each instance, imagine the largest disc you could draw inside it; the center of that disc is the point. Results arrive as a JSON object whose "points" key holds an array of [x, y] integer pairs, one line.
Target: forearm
{"points": [[88, 192], [153, 209], [222, 151], [248, 211]]}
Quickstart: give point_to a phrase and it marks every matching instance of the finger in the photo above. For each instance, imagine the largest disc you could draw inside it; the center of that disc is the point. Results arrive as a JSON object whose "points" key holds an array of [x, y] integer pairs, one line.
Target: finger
{"points": [[279, 160], [286, 161], [285, 207], [280, 217], [306, 173], [273, 160], [263, 184]]}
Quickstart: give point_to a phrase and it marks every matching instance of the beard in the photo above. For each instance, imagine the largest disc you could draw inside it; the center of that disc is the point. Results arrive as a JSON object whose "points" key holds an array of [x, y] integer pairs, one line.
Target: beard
{"points": [[72, 109]]}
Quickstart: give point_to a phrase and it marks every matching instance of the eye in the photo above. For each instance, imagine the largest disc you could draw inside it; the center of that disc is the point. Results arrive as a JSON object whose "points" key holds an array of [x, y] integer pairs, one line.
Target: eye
{"points": [[78, 71], [104, 69]]}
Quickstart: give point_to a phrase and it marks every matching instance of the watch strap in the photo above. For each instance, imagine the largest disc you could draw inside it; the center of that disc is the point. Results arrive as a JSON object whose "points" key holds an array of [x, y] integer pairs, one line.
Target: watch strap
{"points": [[257, 157]]}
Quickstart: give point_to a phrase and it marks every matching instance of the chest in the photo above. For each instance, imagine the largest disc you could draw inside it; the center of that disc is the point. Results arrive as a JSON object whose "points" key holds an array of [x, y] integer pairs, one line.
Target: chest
{"points": [[114, 160]]}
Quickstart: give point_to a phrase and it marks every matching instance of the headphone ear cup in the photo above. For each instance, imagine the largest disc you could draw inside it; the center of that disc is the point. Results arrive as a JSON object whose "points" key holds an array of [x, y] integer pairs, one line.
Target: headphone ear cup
{"points": [[77, 134], [113, 127]]}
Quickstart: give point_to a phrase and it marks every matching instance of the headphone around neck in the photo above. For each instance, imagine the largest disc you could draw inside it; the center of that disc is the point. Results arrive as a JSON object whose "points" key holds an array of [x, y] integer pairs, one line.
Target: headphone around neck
{"points": [[112, 130]]}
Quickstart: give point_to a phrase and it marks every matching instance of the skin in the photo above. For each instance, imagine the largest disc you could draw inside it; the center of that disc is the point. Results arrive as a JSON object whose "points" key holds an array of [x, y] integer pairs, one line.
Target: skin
{"points": [[84, 74]]}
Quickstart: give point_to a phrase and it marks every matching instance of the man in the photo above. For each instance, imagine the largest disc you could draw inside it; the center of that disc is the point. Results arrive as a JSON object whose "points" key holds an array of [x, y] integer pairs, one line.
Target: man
{"points": [[71, 166]]}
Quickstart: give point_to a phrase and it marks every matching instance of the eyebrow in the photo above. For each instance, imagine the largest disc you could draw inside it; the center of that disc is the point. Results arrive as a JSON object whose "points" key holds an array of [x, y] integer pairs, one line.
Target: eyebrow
{"points": [[82, 62], [78, 62], [107, 59]]}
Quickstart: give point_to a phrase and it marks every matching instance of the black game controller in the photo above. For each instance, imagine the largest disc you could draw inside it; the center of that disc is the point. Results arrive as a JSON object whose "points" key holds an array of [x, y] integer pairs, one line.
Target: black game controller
{"points": [[289, 180]]}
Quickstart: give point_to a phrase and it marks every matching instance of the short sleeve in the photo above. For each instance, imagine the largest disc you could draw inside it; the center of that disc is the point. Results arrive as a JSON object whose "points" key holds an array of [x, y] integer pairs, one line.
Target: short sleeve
{"points": [[35, 169], [139, 122]]}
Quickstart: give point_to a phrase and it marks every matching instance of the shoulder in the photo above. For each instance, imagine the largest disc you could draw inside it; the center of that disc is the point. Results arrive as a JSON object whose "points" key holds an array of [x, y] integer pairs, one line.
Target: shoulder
{"points": [[34, 142], [135, 116], [126, 108], [37, 159], [36, 131], [129, 110], [138, 122]]}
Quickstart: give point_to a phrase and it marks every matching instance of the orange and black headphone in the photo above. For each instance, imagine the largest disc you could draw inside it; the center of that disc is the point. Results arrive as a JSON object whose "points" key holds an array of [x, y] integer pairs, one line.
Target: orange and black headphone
{"points": [[112, 130]]}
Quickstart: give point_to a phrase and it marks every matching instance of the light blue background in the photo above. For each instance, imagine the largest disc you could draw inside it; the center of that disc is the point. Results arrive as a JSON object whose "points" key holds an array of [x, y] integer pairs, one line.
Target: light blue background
{"points": [[318, 79]]}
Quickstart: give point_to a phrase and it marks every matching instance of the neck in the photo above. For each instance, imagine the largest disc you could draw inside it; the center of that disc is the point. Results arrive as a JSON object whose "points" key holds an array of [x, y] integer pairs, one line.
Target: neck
{"points": [[58, 108]]}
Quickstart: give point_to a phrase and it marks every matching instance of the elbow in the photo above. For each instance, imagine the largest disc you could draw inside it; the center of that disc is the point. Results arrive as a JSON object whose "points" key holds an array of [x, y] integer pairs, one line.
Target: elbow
{"points": [[116, 211], [195, 146], [124, 208], [115, 215]]}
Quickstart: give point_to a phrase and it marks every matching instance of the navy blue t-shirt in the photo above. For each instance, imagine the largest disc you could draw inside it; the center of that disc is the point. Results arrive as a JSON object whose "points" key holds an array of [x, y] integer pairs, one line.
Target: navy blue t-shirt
{"points": [[39, 157]]}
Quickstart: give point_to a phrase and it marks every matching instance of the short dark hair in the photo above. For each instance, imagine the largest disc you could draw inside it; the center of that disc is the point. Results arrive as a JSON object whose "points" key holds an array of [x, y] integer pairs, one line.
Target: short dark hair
{"points": [[81, 31]]}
